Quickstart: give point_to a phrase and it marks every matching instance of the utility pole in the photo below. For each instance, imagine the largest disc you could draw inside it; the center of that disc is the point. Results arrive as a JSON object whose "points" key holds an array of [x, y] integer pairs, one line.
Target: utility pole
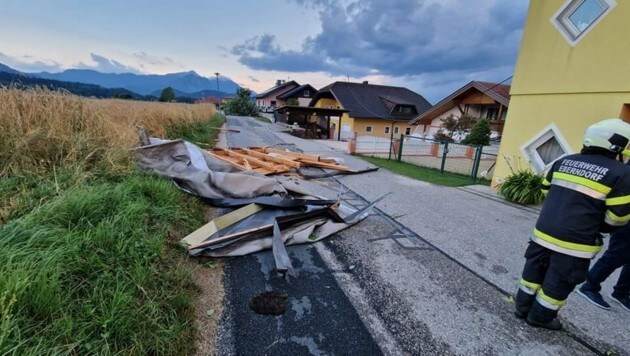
{"points": [[218, 92]]}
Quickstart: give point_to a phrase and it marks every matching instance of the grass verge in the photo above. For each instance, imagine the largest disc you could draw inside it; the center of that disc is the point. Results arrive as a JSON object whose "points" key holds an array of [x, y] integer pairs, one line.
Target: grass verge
{"points": [[424, 174], [200, 133], [95, 270], [88, 256], [262, 119]]}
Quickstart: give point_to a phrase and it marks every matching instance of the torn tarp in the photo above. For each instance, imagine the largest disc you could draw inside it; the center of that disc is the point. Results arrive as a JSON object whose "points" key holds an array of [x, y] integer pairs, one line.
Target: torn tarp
{"points": [[275, 213], [253, 230], [198, 173]]}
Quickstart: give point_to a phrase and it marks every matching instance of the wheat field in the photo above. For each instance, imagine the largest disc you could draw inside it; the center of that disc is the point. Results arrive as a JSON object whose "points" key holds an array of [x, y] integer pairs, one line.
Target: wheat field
{"points": [[43, 130]]}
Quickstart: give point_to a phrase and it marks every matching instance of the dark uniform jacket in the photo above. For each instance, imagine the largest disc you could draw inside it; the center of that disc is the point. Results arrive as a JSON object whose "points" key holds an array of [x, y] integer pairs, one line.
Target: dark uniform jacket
{"points": [[587, 194]]}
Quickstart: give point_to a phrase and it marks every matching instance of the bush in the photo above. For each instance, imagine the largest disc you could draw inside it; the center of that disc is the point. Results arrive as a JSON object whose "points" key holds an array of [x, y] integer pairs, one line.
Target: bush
{"points": [[480, 134], [241, 105], [522, 187]]}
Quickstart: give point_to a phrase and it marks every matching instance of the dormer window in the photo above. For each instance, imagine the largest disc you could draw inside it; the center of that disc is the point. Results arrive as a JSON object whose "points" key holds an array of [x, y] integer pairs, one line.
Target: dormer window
{"points": [[577, 17], [307, 93], [403, 109]]}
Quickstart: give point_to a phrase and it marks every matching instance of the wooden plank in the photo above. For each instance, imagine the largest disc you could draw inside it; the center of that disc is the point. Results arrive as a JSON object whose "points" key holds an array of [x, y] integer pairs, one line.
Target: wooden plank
{"points": [[260, 164], [230, 237], [220, 223], [294, 155], [329, 166], [227, 160], [284, 161]]}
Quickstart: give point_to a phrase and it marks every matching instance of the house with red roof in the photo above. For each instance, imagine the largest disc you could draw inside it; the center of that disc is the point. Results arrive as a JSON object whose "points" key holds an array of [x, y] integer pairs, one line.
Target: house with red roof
{"points": [[476, 99]]}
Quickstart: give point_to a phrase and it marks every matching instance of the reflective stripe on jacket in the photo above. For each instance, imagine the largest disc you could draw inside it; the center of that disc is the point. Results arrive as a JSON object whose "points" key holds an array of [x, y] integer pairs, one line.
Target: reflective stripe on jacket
{"points": [[586, 193]]}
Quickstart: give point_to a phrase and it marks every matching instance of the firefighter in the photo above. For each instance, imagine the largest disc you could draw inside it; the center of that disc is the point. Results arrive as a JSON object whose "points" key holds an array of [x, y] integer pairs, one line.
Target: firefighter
{"points": [[587, 194]]}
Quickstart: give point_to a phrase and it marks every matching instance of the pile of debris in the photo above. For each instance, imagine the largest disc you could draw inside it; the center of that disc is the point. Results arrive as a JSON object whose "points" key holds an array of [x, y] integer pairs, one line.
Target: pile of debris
{"points": [[271, 211]]}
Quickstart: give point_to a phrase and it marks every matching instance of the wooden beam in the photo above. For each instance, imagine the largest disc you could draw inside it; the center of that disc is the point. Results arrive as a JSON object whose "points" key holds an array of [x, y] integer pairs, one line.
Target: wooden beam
{"points": [[294, 155], [284, 161], [232, 162], [262, 164], [220, 223]]}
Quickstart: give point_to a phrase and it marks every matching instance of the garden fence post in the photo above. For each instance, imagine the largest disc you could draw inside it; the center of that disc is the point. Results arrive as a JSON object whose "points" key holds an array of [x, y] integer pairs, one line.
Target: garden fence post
{"points": [[400, 147], [477, 162], [444, 153]]}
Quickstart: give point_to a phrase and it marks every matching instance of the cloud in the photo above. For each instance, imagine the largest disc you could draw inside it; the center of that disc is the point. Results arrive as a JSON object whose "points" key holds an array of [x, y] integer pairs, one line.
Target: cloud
{"points": [[253, 79], [398, 38], [106, 65], [26, 64], [150, 59]]}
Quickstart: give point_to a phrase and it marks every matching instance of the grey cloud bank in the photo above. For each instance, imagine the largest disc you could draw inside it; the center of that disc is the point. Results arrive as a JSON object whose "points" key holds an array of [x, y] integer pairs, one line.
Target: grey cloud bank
{"points": [[400, 38]]}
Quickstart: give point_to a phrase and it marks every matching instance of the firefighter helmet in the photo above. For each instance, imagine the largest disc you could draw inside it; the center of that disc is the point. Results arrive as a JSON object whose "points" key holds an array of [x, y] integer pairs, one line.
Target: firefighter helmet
{"points": [[609, 134]]}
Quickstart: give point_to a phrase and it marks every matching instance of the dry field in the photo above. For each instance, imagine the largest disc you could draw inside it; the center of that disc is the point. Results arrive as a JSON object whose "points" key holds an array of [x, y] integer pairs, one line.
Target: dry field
{"points": [[42, 129]]}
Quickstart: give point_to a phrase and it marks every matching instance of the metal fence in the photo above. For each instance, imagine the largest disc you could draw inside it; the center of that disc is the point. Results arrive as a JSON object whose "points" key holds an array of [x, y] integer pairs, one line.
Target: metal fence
{"points": [[475, 161]]}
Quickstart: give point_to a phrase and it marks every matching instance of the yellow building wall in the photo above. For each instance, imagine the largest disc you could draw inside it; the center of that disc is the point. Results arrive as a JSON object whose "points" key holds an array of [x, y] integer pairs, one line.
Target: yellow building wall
{"points": [[327, 103], [569, 86], [378, 127]]}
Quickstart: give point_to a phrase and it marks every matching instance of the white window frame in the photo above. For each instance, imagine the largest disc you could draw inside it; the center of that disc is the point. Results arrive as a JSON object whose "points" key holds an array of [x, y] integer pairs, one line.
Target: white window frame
{"points": [[529, 148], [368, 129], [562, 22], [307, 93]]}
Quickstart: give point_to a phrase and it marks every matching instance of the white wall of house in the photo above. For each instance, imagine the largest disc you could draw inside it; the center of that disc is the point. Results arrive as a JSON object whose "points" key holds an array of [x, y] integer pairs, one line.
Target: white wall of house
{"points": [[304, 101], [436, 124]]}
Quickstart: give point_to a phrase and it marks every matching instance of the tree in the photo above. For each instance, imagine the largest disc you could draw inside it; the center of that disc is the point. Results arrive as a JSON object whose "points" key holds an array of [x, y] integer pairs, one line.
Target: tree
{"points": [[452, 125], [242, 104], [167, 95], [480, 134]]}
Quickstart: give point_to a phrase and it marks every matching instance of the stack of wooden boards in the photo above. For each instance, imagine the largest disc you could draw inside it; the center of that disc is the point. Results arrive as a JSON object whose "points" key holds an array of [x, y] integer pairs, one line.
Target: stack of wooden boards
{"points": [[273, 161]]}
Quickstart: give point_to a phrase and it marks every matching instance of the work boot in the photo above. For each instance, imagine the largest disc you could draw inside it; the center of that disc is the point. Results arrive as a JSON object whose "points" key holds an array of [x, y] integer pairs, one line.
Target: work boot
{"points": [[553, 324], [523, 303], [520, 315], [623, 301], [593, 297]]}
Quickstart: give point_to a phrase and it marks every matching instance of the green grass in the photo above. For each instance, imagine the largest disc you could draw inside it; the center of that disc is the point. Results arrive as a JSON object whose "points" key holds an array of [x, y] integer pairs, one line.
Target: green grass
{"points": [[262, 119], [200, 133], [424, 174], [89, 261], [94, 270]]}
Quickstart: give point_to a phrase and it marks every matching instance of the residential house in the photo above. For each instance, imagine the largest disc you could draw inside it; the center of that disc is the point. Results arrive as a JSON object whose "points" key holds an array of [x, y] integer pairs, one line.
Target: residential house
{"points": [[268, 100], [373, 110], [303, 94], [475, 99], [572, 71]]}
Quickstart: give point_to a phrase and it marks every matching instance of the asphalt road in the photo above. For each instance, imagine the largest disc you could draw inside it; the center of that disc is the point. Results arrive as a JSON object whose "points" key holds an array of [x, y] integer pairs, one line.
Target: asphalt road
{"points": [[428, 273]]}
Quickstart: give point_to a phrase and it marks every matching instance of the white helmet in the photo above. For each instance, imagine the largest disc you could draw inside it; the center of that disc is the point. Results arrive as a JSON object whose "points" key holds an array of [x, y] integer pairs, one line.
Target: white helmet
{"points": [[610, 134]]}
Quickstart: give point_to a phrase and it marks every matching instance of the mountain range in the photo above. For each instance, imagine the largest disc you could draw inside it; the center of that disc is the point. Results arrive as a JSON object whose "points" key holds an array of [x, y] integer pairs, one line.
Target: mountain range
{"points": [[186, 84]]}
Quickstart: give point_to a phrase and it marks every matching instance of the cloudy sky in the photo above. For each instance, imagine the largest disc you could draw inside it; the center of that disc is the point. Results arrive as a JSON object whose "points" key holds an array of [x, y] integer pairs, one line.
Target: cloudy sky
{"points": [[430, 46]]}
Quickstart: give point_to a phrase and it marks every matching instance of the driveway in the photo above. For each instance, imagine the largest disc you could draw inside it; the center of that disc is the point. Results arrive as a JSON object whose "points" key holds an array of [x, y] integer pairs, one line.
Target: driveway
{"points": [[429, 272]]}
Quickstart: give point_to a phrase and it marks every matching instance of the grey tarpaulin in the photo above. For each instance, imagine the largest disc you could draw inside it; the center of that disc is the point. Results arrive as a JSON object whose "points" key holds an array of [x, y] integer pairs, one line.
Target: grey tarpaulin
{"points": [[198, 173], [291, 216], [276, 228]]}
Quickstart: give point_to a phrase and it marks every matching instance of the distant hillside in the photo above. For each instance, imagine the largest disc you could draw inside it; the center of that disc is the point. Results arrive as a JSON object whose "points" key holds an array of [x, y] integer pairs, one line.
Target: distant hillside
{"points": [[186, 82], [195, 95], [89, 90], [7, 69]]}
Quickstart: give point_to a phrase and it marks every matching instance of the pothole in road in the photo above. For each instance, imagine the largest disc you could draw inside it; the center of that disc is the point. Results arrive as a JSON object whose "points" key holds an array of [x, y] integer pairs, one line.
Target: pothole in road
{"points": [[269, 303]]}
